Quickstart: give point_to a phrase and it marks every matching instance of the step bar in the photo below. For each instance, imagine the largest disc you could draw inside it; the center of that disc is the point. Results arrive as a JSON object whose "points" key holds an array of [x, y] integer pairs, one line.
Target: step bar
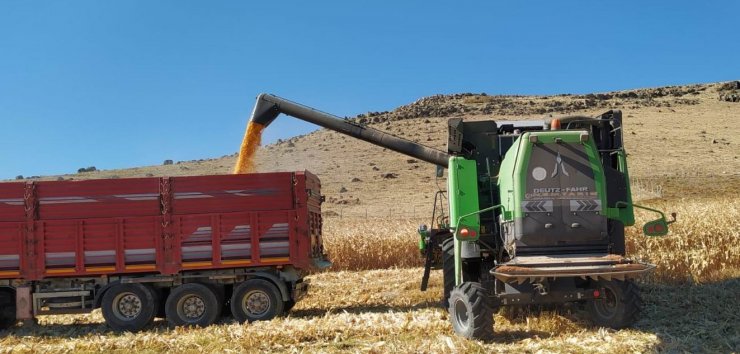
{"points": [[584, 266]]}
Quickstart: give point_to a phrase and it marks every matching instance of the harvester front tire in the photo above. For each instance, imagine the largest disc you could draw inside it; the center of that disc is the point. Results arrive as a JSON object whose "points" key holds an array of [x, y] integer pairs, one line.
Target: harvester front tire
{"points": [[129, 307], [618, 307], [471, 311], [193, 304], [448, 269], [7, 309], [256, 300]]}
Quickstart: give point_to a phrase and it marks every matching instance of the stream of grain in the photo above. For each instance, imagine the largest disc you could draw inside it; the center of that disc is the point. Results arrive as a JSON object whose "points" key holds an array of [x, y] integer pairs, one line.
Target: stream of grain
{"points": [[250, 144]]}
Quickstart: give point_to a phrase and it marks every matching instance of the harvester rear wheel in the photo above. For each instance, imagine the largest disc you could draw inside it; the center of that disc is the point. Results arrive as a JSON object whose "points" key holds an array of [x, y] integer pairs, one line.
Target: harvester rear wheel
{"points": [[448, 269], [129, 307], [618, 306], [193, 304], [256, 300], [7, 309], [471, 311]]}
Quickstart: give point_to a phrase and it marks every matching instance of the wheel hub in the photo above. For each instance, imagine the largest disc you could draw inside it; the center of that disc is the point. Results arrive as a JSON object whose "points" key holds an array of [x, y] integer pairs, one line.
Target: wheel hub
{"points": [[607, 305], [256, 303], [191, 307], [461, 313], [126, 306]]}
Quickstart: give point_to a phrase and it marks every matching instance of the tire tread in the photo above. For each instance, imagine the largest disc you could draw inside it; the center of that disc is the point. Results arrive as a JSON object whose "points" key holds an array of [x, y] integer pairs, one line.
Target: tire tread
{"points": [[481, 324]]}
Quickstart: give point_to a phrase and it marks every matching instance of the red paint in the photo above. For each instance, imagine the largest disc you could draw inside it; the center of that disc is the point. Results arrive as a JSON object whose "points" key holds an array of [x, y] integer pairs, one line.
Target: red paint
{"points": [[158, 225]]}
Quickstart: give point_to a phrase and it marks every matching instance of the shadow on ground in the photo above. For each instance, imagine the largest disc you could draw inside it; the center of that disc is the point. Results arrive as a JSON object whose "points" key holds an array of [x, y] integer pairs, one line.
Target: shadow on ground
{"points": [[362, 308], [686, 318], [693, 318]]}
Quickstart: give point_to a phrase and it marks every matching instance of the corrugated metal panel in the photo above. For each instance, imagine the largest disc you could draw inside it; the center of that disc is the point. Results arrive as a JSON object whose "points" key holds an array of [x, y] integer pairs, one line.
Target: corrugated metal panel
{"points": [[117, 226], [232, 193], [11, 202], [98, 198], [10, 246]]}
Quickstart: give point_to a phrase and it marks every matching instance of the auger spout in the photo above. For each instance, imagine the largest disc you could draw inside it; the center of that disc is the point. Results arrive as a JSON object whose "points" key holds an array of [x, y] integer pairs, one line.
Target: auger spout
{"points": [[268, 107]]}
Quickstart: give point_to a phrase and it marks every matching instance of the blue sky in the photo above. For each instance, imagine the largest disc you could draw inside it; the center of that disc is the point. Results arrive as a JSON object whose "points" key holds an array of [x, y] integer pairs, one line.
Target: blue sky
{"points": [[119, 84]]}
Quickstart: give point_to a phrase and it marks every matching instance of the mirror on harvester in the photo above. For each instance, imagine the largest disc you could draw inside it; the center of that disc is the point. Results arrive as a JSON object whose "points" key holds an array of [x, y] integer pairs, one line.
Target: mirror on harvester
{"points": [[440, 171], [657, 227]]}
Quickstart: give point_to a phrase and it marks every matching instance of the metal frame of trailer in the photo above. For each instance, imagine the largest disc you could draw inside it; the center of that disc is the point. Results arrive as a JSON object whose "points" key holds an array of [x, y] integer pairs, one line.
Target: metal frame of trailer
{"points": [[63, 244]]}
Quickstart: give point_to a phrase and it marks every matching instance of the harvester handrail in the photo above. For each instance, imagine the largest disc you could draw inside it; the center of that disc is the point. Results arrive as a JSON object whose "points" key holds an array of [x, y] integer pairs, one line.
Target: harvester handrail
{"points": [[459, 219]]}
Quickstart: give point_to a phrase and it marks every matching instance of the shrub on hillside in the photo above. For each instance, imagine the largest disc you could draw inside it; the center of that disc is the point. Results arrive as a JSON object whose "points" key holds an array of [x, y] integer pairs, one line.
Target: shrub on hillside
{"points": [[86, 169]]}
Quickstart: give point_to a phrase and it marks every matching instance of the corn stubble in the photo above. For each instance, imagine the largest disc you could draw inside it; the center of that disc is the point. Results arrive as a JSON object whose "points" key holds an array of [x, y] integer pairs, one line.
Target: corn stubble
{"points": [[381, 311]]}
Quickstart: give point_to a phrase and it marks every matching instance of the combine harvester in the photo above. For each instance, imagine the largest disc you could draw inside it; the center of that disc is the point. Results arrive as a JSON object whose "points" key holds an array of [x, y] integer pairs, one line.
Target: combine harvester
{"points": [[537, 212]]}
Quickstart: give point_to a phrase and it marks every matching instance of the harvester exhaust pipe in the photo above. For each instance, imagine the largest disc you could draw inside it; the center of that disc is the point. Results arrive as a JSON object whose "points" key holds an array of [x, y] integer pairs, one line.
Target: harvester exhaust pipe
{"points": [[268, 107]]}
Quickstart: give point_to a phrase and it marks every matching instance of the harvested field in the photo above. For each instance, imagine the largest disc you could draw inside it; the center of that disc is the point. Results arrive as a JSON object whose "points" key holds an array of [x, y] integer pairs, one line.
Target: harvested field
{"points": [[690, 303], [383, 311]]}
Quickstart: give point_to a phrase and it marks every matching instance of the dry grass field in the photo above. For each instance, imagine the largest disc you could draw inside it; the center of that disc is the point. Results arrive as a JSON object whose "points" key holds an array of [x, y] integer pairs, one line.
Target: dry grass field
{"points": [[383, 311], [684, 148]]}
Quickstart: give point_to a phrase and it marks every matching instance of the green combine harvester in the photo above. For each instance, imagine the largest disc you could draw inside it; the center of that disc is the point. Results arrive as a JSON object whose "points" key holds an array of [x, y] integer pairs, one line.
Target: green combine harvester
{"points": [[536, 212]]}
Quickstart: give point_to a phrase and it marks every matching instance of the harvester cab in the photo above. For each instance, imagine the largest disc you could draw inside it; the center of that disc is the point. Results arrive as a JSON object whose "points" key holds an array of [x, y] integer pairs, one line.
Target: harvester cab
{"points": [[536, 213]]}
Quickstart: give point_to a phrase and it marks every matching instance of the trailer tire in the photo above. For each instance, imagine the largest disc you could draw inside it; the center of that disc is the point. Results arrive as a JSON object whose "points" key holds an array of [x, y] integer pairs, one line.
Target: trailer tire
{"points": [[129, 307], [7, 309], [471, 311], [619, 306], [193, 304], [448, 269], [256, 300]]}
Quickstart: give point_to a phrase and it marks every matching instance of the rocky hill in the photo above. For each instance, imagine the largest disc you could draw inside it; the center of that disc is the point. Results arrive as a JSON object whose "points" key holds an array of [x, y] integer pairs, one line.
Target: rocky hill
{"points": [[682, 140]]}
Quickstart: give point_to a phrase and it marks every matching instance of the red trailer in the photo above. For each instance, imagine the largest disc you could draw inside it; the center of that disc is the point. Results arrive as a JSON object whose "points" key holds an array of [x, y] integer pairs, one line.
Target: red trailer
{"points": [[180, 247]]}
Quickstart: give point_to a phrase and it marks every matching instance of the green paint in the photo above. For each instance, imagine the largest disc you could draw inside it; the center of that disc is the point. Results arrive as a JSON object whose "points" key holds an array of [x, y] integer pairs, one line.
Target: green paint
{"points": [[512, 179], [506, 180], [658, 227], [463, 193], [423, 234], [462, 186], [625, 215]]}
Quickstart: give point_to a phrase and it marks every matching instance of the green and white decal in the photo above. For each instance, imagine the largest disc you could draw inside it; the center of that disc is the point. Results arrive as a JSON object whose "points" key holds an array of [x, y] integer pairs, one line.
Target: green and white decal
{"points": [[553, 188]]}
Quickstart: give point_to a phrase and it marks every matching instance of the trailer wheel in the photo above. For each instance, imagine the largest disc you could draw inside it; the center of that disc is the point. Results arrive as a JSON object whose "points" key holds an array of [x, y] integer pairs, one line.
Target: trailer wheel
{"points": [[129, 307], [256, 300], [193, 304], [618, 307], [448, 269], [7, 309], [471, 312]]}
